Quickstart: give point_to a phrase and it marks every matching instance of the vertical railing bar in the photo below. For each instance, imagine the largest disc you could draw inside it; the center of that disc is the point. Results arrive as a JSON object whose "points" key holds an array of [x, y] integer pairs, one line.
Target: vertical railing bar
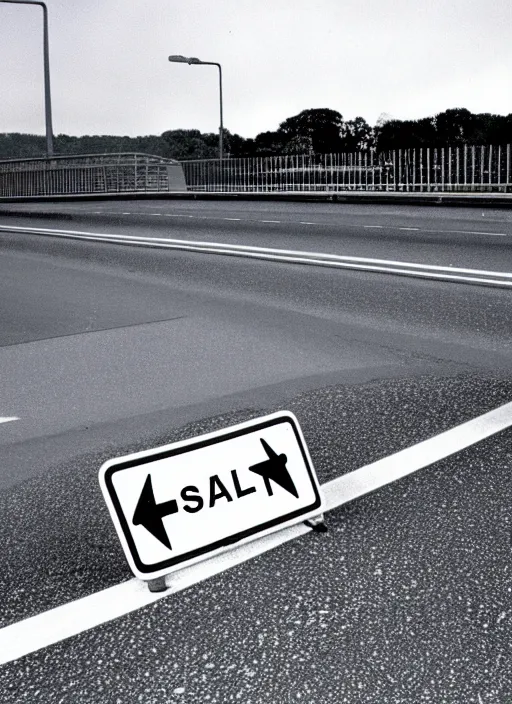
{"points": [[508, 167], [490, 167]]}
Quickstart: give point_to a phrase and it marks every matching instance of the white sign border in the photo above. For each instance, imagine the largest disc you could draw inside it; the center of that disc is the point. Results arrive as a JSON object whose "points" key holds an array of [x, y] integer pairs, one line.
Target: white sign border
{"points": [[183, 561]]}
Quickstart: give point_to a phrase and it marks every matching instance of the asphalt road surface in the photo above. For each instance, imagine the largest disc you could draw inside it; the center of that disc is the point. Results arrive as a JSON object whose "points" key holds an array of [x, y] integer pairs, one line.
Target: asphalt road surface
{"points": [[463, 237], [109, 349]]}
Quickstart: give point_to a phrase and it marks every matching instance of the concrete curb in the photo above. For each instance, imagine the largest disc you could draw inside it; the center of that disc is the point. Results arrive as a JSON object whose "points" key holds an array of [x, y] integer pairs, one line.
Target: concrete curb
{"points": [[466, 200]]}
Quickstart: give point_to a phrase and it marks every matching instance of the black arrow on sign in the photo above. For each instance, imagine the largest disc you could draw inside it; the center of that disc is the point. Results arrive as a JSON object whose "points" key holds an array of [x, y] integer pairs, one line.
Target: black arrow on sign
{"points": [[274, 468], [149, 514]]}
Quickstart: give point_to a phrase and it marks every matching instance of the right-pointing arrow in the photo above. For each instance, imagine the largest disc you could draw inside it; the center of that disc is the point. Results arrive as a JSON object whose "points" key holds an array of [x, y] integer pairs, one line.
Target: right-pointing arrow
{"points": [[274, 469], [149, 514]]}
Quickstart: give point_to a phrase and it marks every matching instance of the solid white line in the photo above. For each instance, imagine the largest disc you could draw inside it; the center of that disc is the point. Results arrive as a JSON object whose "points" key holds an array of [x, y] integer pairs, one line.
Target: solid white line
{"points": [[425, 271], [376, 475], [8, 419], [409, 228], [471, 232], [52, 626], [374, 226], [75, 617], [125, 213]]}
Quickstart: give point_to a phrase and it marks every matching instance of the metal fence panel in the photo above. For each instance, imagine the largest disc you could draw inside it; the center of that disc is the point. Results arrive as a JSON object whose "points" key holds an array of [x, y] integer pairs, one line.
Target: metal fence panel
{"points": [[424, 169], [90, 174], [454, 168]]}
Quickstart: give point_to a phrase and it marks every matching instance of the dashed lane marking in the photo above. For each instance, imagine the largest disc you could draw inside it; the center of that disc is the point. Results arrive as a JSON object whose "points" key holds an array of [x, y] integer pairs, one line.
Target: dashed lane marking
{"points": [[301, 222], [8, 419], [75, 617]]}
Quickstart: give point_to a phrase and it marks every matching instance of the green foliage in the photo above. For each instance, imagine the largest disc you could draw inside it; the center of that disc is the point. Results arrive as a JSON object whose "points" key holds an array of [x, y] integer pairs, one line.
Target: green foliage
{"points": [[316, 131], [356, 135], [452, 127], [319, 129]]}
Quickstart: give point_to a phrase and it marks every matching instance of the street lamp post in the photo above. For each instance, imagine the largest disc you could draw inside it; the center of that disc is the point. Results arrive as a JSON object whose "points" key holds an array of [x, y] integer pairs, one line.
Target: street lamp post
{"points": [[193, 61], [47, 95]]}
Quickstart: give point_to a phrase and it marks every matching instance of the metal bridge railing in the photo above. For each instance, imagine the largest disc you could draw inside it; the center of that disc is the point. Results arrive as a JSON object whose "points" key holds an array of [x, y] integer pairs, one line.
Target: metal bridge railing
{"points": [[90, 174], [462, 168]]}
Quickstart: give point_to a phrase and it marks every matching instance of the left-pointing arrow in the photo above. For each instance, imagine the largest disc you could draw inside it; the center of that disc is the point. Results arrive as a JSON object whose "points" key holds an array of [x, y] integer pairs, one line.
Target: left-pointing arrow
{"points": [[149, 514]]}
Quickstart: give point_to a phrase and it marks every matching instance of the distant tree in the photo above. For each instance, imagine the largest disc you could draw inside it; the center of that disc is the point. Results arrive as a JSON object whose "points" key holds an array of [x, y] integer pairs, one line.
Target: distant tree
{"points": [[500, 130], [191, 144], [299, 145], [454, 126], [403, 134], [356, 135], [269, 143], [236, 146], [321, 126], [15, 145], [491, 129]]}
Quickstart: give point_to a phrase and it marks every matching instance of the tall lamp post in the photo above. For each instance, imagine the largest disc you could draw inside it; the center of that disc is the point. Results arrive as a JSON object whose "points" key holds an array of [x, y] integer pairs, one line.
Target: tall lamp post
{"points": [[194, 61], [47, 96]]}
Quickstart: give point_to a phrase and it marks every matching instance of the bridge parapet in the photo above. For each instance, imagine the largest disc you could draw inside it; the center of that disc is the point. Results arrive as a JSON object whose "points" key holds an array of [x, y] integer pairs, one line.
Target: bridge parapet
{"points": [[90, 174]]}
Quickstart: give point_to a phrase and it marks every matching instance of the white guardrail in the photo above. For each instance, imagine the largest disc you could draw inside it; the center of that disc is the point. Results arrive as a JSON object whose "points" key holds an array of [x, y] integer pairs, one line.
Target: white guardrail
{"points": [[90, 174], [464, 168], [457, 169]]}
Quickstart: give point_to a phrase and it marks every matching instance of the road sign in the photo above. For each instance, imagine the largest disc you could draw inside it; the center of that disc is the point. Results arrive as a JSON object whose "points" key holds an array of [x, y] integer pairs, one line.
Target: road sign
{"points": [[181, 503]]}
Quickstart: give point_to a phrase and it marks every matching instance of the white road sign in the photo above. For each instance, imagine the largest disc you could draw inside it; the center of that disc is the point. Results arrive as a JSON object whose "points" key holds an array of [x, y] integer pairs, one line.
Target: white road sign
{"points": [[181, 503]]}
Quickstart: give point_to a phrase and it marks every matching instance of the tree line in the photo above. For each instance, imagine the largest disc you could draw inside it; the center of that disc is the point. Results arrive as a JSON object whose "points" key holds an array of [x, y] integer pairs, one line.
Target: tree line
{"points": [[316, 131]]}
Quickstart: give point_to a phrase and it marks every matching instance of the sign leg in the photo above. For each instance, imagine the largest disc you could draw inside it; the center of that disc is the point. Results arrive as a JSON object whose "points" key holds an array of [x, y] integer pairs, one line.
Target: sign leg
{"points": [[157, 585], [317, 523]]}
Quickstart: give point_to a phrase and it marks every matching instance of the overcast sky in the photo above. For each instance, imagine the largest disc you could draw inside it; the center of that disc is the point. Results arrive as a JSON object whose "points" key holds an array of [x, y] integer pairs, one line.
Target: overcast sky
{"points": [[110, 73]]}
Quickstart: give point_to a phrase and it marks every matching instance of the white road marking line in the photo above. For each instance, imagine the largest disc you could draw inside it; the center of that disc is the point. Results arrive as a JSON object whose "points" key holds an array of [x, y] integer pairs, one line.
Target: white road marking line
{"points": [[275, 221], [50, 627], [471, 232], [378, 474], [125, 213], [238, 219], [425, 271], [303, 222], [159, 214], [8, 419], [419, 229]]}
